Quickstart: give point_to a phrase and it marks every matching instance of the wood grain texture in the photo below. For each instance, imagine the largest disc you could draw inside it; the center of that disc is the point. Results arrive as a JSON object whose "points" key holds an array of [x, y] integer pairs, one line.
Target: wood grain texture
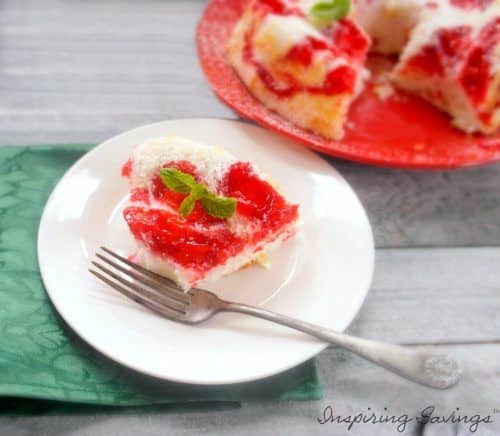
{"points": [[429, 208], [84, 71], [433, 295]]}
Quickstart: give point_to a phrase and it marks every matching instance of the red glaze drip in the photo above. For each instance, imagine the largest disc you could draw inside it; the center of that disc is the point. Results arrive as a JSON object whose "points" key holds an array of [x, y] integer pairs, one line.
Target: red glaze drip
{"points": [[168, 235], [476, 71], [341, 79], [454, 42], [279, 7], [348, 39], [474, 77], [427, 61], [303, 52], [127, 168], [451, 45], [279, 89], [141, 195], [258, 201], [471, 4]]}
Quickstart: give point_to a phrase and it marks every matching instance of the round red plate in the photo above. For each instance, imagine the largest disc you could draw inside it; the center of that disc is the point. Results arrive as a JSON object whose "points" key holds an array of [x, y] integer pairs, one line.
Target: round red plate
{"points": [[402, 131]]}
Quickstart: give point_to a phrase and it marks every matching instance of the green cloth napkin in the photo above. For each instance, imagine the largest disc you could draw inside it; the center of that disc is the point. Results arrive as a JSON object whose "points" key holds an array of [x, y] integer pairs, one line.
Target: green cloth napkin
{"points": [[40, 357]]}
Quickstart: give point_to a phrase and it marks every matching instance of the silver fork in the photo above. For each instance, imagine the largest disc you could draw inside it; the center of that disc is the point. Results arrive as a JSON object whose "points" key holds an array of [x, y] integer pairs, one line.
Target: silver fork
{"points": [[162, 296]]}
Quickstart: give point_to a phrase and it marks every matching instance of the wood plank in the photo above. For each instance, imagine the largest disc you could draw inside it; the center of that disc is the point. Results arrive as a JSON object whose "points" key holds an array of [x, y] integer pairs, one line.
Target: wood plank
{"points": [[429, 208], [87, 70], [433, 295], [351, 387]]}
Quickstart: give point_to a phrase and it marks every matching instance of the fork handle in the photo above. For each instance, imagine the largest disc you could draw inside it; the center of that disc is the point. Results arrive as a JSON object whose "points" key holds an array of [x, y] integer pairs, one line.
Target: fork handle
{"points": [[427, 368]]}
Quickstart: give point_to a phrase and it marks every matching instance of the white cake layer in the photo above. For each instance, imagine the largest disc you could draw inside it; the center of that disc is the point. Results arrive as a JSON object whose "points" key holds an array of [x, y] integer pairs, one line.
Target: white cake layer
{"points": [[147, 159], [277, 34]]}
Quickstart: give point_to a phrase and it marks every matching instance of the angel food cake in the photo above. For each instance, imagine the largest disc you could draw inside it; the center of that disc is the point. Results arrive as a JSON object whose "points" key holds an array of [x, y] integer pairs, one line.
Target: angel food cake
{"points": [[307, 70], [197, 213], [452, 59], [305, 58]]}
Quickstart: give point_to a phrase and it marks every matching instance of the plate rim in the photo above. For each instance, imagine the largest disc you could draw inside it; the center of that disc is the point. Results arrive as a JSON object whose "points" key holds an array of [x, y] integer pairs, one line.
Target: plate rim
{"points": [[315, 350]]}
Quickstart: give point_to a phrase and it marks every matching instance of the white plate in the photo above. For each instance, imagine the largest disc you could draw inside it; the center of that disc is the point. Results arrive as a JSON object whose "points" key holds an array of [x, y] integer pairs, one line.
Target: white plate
{"points": [[321, 276]]}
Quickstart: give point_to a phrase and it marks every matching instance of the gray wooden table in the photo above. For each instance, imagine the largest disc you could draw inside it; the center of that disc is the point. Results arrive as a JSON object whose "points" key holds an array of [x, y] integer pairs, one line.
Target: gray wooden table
{"points": [[82, 71]]}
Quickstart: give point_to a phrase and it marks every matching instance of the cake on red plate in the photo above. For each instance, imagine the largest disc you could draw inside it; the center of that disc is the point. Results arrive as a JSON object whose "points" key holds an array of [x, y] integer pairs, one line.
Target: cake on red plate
{"points": [[198, 213], [453, 60], [305, 60], [306, 67]]}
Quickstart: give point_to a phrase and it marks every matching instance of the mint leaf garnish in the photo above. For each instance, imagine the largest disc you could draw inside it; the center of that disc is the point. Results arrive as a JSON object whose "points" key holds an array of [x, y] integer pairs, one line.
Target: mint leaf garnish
{"points": [[219, 207], [187, 205], [199, 191], [214, 205], [177, 181], [330, 10]]}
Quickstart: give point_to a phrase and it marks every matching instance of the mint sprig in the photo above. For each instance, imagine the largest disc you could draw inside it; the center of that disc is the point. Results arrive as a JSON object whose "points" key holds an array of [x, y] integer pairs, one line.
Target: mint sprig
{"points": [[214, 205], [220, 207], [330, 10], [177, 181]]}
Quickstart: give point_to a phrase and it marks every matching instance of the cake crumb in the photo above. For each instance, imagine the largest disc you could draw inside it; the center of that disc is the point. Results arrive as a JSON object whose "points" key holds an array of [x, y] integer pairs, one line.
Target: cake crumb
{"points": [[262, 259], [383, 91]]}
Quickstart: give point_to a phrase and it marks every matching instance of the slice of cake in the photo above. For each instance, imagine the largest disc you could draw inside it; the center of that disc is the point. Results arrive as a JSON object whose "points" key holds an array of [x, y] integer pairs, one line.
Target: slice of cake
{"points": [[301, 61], [198, 213], [453, 60]]}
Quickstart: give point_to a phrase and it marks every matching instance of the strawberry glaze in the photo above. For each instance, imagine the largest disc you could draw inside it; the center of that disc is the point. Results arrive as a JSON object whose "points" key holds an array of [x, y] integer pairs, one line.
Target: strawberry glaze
{"points": [[201, 242], [450, 46], [278, 7], [471, 4], [475, 74]]}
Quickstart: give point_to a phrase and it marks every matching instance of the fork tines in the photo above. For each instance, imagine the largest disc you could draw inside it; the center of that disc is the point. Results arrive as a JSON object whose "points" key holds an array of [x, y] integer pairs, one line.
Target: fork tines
{"points": [[151, 290]]}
